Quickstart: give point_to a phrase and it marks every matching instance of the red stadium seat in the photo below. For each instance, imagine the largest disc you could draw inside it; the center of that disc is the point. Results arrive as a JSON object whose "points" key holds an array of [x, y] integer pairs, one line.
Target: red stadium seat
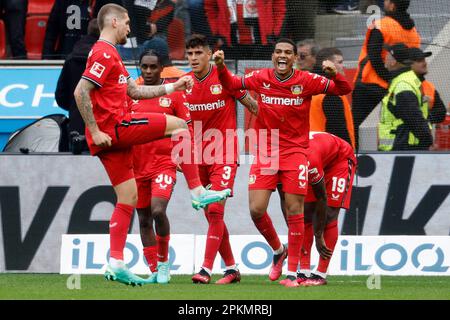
{"points": [[40, 7], [2, 40], [175, 39], [34, 36]]}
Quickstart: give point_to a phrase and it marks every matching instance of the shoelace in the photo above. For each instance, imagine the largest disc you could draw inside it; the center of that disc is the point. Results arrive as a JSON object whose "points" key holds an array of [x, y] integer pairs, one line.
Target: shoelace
{"points": [[163, 267]]}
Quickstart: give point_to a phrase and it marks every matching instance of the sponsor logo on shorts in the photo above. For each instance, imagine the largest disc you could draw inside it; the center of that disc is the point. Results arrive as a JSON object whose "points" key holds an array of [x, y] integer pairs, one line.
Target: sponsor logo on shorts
{"points": [[335, 196], [302, 184], [224, 183], [252, 179]]}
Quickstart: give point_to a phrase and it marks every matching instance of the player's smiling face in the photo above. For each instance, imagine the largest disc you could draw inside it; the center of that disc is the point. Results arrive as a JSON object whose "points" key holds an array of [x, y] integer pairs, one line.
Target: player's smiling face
{"points": [[283, 58], [198, 58]]}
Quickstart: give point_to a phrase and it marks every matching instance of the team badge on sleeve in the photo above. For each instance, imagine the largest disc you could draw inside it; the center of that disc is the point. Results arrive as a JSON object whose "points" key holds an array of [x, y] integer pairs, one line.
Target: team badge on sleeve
{"points": [[216, 89], [97, 69], [297, 89], [164, 102]]}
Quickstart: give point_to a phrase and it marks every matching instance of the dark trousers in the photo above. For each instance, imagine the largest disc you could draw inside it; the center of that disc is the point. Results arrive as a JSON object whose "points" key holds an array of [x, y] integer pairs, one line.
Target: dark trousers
{"points": [[14, 12], [365, 98]]}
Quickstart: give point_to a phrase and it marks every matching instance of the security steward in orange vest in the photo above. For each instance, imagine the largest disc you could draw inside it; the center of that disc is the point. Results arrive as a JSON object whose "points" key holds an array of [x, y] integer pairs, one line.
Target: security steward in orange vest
{"points": [[372, 77], [328, 113], [431, 96]]}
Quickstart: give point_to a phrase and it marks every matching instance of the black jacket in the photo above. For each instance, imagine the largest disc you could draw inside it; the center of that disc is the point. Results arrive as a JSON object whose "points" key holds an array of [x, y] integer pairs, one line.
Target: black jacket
{"points": [[64, 29], [70, 75]]}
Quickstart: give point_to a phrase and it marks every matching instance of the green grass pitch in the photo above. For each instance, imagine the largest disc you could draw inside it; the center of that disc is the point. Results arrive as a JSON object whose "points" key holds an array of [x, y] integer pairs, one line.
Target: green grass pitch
{"points": [[54, 286]]}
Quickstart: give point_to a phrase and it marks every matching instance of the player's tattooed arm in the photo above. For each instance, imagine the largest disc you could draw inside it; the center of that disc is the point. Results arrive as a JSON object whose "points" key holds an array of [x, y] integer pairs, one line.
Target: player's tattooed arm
{"points": [[250, 103], [147, 92], [84, 104], [144, 92]]}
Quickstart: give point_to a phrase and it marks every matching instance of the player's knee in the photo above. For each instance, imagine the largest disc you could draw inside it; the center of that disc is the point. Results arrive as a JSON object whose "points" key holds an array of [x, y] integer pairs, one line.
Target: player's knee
{"points": [[145, 220], [158, 212], [257, 212], [293, 209], [332, 214]]}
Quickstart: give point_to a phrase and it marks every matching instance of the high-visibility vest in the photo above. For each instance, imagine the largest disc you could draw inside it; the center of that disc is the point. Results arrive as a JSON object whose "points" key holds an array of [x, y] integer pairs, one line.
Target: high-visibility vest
{"points": [[407, 81], [318, 121], [393, 33], [428, 90]]}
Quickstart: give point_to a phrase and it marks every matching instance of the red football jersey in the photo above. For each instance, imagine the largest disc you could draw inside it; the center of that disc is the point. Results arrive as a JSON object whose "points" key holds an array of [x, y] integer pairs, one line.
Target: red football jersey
{"points": [[284, 105], [214, 109], [324, 151], [157, 154], [105, 69]]}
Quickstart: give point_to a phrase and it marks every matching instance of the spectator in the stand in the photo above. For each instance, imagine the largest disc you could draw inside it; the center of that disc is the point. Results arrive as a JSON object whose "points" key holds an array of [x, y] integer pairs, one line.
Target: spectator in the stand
{"points": [[307, 51], [430, 95], [404, 115], [199, 22], [70, 75], [14, 12], [149, 22], [266, 18], [182, 13], [65, 26], [228, 29], [328, 113], [300, 19], [372, 77]]}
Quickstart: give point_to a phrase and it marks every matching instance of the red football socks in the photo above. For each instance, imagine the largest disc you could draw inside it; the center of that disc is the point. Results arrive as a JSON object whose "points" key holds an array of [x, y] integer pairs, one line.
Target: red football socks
{"points": [[330, 235], [225, 248], [150, 256], [305, 258], [118, 229], [163, 247], [265, 227], [213, 239], [295, 239]]}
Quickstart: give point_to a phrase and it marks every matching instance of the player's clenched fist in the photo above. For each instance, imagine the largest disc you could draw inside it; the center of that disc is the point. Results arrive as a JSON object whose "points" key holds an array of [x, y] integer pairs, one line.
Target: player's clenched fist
{"points": [[185, 82], [329, 68], [219, 58]]}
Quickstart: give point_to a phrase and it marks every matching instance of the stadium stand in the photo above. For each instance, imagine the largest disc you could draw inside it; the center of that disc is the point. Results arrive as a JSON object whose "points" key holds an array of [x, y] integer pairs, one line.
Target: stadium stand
{"points": [[34, 35], [40, 7]]}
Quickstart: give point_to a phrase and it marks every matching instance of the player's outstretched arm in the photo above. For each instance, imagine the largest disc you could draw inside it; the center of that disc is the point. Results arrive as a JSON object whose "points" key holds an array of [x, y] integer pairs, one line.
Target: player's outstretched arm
{"points": [[320, 213], [227, 79], [339, 85], [84, 104], [148, 92]]}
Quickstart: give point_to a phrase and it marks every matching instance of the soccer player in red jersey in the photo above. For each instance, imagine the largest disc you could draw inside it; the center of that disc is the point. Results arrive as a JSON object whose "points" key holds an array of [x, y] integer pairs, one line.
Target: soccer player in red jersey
{"points": [[332, 166], [213, 109], [283, 110], [111, 131], [155, 171]]}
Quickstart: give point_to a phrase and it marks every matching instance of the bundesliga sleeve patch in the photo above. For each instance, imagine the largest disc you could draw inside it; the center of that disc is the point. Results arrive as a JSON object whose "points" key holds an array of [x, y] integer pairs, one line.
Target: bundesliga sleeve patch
{"points": [[97, 69]]}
